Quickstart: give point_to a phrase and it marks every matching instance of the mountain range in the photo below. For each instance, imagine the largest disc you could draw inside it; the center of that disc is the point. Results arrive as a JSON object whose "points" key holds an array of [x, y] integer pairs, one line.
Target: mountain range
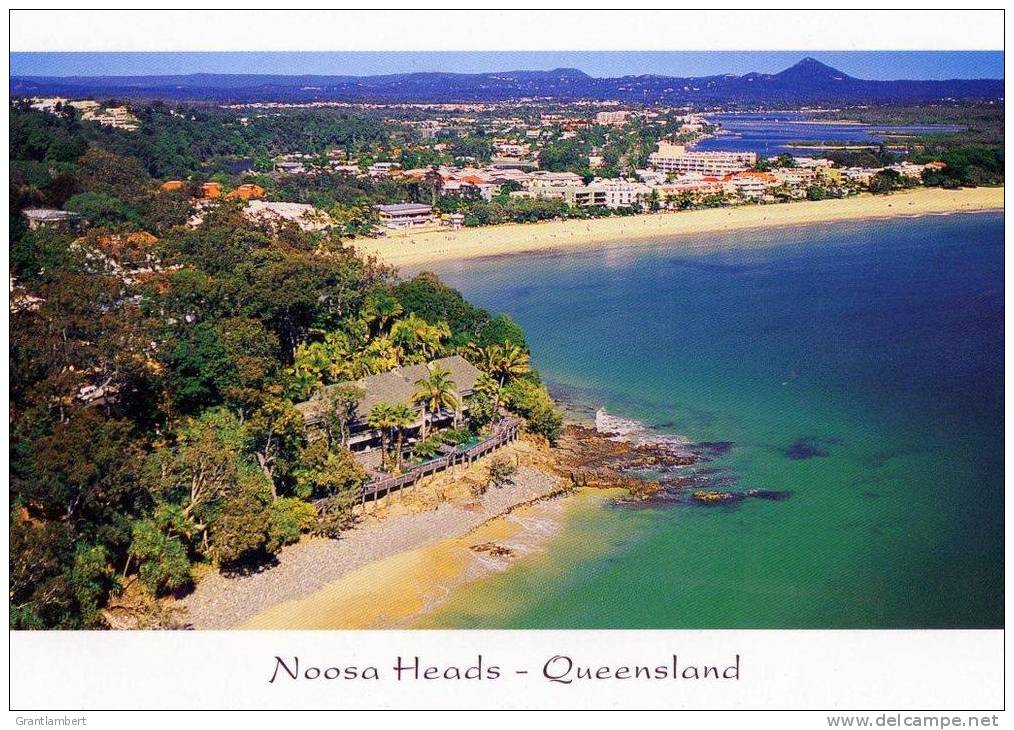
{"points": [[807, 82]]}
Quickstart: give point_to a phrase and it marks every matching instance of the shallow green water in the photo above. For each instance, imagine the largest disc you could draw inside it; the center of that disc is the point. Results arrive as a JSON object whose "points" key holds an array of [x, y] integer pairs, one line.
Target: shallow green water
{"points": [[882, 341]]}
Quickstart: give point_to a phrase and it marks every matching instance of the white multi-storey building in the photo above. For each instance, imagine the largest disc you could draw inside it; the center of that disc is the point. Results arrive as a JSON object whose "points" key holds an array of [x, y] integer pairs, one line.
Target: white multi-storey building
{"points": [[623, 193], [677, 158], [600, 194], [614, 118]]}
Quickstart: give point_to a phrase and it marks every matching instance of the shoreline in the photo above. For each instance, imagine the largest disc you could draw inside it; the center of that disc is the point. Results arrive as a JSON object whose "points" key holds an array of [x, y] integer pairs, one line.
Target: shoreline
{"points": [[420, 248], [407, 555], [398, 532], [396, 591], [394, 570]]}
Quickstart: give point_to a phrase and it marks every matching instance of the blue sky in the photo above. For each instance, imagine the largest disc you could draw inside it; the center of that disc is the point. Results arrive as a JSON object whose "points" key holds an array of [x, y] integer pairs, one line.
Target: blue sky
{"points": [[861, 64]]}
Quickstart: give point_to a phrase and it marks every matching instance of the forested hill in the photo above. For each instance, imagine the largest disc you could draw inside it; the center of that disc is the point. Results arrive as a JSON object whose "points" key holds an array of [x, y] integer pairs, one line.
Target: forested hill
{"points": [[807, 82], [154, 367]]}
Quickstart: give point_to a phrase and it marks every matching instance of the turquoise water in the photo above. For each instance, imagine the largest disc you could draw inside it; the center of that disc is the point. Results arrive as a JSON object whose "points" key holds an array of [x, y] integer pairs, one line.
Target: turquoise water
{"points": [[880, 342]]}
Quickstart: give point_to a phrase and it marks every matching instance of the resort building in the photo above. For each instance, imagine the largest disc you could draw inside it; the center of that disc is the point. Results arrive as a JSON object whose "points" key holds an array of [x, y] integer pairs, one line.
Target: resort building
{"points": [[545, 178], [89, 110], [623, 193], [211, 190], [247, 191], [677, 158], [382, 169], [599, 194], [908, 169], [117, 116], [291, 167], [397, 387], [305, 216], [616, 118], [812, 162], [505, 164], [583, 196], [504, 148], [405, 215], [795, 176], [50, 218], [751, 184], [861, 175]]}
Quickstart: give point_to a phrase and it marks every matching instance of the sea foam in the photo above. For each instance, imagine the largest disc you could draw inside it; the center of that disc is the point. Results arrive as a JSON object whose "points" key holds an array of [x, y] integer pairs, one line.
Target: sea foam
{"points": [[635, 432]]}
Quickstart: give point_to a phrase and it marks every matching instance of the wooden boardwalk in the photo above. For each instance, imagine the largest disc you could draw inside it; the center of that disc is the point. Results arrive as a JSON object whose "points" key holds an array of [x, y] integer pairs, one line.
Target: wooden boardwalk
{"points": [[505, 432]]}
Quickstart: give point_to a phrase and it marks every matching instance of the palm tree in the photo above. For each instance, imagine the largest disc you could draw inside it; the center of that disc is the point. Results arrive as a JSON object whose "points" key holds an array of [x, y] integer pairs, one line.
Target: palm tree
{"points": [[379, 356], [384, 418], [381, 310], [431, 338], [417, 339], [401, 416], [436, 183], [487, 386], [504, 362], [436, 392], [405, 334]]}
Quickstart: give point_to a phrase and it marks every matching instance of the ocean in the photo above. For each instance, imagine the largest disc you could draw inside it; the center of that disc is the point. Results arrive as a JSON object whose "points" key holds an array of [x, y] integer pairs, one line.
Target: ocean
{"points": [[858, 366]]}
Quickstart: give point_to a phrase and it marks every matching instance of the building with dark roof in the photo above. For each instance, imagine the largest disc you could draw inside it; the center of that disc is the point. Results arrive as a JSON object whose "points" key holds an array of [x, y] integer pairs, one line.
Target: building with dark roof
{"points": [[405, 215], [50, 218], [397, 387]]}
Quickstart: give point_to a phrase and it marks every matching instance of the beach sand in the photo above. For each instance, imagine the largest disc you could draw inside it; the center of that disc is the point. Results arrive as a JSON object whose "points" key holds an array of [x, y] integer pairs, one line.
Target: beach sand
{"points": [[393, 592], [395, 535], [416, 248]]}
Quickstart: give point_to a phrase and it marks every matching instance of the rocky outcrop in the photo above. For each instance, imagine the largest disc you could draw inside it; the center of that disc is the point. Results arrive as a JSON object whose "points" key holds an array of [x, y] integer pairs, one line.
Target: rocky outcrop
{"points": [[590, 458], [652, 471]]}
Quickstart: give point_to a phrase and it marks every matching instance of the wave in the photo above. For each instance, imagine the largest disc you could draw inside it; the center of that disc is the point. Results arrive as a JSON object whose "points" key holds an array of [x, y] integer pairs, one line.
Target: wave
{"points": [[636, 432]]}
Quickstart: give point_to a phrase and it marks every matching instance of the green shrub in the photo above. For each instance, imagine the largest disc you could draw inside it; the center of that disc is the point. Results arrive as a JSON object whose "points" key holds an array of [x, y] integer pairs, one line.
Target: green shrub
{"points": [[427, 448], [288, 518], [456, 436], [532, 402]]}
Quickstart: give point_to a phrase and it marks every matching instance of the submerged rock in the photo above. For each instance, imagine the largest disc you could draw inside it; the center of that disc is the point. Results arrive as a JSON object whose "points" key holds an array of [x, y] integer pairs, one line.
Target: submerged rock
{"points": [[772, 494], [810, 447], [712, 449], [712, 497], [654, 472], [492, 549]]}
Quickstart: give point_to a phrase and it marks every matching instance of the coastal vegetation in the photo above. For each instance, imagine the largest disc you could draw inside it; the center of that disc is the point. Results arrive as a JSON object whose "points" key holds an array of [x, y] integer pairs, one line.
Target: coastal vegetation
{"points": [[155, 369], [972, 156]]}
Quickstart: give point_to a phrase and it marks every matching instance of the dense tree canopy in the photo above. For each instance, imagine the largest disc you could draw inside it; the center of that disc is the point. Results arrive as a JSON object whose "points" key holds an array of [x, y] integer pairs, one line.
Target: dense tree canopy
{"points": [[155, 364]]}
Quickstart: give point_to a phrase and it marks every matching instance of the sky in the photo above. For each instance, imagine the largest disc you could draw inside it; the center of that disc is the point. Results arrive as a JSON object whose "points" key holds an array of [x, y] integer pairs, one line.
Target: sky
{"points": [[861, 64]]}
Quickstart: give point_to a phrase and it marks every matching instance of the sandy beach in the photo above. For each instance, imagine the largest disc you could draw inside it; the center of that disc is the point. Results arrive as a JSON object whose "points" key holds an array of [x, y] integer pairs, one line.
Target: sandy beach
{"points": [[394, 592], [418, 248], [417, 541]]}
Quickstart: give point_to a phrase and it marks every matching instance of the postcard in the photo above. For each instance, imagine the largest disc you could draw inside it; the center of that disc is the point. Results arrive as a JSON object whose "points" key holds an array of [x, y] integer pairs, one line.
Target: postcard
{"points": [[660, 375]]}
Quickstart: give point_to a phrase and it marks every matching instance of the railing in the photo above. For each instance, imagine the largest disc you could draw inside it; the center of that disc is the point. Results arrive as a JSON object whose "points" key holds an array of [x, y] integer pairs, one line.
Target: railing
{"points": [[506, 431]]}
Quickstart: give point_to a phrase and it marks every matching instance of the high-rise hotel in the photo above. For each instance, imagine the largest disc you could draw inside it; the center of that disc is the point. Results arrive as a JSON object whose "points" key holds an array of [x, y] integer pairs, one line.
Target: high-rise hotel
{"points": [[677, 158]]}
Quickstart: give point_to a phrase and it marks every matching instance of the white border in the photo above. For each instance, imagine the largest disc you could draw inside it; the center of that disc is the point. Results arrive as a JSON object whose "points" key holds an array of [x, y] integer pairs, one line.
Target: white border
{"points": [[838, 671], [518, 29], [875, 670]]}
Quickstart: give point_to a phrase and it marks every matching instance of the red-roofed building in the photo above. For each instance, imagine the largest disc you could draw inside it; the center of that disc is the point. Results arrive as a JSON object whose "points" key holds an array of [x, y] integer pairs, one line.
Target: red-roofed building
{"points": [[247, 191]]}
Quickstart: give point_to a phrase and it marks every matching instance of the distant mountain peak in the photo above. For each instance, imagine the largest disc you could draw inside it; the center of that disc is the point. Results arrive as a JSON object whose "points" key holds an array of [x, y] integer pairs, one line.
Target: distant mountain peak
{"points": [[811, 69], [570, 72]]}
